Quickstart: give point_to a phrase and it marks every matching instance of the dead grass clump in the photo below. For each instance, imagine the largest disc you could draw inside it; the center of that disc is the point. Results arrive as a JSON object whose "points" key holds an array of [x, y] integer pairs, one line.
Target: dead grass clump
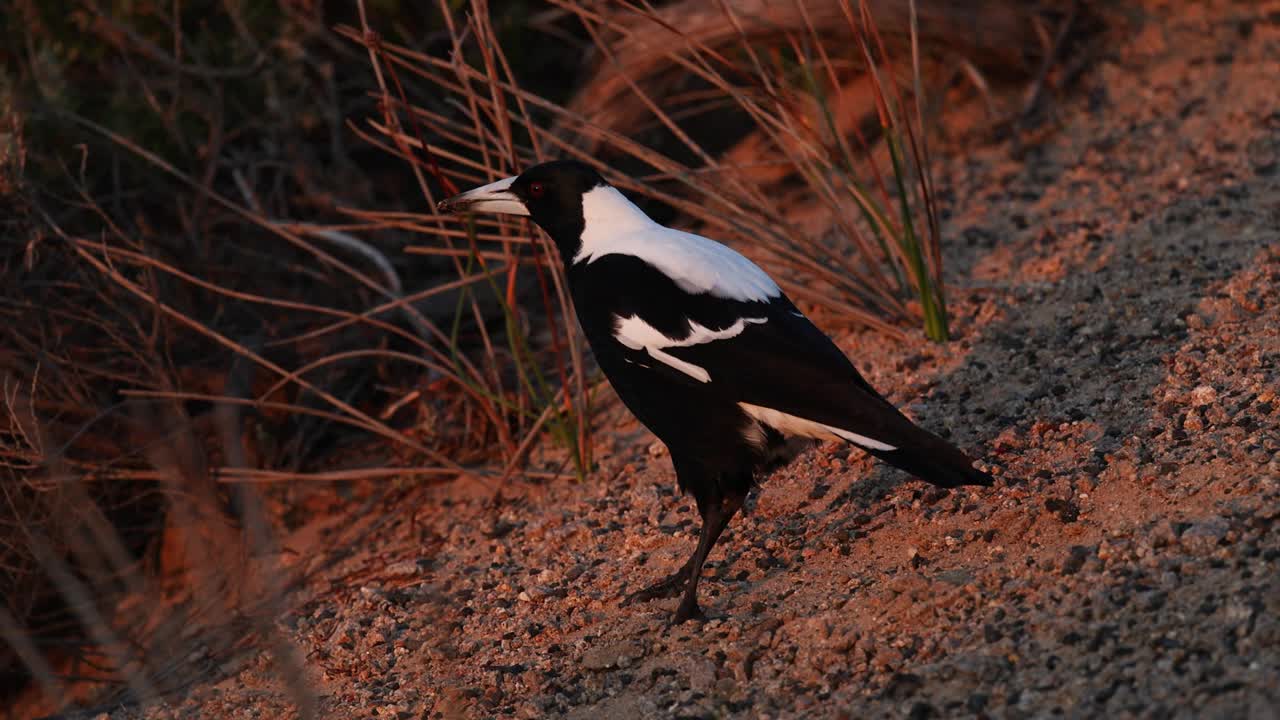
{"points": [[1002, 40], [801, 135], [171, 333], [815, 120]]}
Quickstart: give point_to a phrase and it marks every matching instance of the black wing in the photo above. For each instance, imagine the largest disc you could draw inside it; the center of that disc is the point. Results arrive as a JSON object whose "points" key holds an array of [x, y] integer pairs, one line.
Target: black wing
{"points": [[787, 364], [784, 363]]}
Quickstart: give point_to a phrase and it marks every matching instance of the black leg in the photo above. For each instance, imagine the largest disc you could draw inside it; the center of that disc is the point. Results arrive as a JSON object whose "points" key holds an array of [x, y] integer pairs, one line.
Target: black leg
{"points": [[668, 587], [692, 478], [716, 515]]}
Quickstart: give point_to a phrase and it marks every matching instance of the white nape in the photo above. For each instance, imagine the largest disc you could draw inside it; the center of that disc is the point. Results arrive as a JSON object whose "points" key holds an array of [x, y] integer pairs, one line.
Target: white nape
{"points": [[614, 225], [791, 425], [637, 334]]}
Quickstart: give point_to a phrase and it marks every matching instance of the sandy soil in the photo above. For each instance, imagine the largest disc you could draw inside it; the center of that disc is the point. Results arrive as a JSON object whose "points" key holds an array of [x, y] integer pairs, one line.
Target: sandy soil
{"points": [[1116, 291]]}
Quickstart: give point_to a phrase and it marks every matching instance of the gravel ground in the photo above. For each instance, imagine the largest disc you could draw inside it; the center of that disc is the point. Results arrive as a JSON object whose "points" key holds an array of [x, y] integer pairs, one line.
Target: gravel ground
{"points": [[1116, 290]]}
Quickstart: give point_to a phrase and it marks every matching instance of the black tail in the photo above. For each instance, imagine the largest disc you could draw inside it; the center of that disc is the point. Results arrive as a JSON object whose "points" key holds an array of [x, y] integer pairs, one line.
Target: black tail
{"points": [[935, 461]]}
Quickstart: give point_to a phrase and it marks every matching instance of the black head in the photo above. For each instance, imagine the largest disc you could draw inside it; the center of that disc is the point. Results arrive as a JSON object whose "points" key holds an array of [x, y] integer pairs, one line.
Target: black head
{"points": [[550, 194]]}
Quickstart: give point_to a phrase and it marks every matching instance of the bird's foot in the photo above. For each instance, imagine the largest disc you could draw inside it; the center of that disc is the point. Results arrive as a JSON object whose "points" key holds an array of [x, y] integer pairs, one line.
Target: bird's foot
{"points": [[688, 610], [668, 587]]}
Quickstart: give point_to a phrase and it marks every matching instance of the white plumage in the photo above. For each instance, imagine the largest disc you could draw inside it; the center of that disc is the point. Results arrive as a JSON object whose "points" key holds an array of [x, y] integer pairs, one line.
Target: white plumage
{"points": [[793, 426], [614, 225], [637, 334]]}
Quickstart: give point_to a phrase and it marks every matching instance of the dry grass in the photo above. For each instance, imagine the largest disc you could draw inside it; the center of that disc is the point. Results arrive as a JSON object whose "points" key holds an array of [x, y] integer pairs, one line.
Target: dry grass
{"points": [[844, 215], [172, 337], [833, 105]]}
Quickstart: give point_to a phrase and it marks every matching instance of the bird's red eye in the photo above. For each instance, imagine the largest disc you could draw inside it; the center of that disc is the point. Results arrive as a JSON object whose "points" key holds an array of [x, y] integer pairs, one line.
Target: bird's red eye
{"points": [[537, 190]]}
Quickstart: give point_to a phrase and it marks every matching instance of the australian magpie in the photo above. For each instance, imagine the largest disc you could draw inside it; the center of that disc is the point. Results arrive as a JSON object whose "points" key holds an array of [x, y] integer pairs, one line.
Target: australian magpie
{"points": [[707, 351]]}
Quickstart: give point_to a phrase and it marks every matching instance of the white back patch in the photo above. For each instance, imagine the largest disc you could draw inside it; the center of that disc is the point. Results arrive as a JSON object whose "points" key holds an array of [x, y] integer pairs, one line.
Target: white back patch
{"points": [[792, 425], [614, 225], [637, 334]]}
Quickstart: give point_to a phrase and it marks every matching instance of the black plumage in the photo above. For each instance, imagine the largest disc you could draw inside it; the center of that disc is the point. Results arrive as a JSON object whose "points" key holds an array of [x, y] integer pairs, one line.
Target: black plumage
{"points": [[707, 352]]}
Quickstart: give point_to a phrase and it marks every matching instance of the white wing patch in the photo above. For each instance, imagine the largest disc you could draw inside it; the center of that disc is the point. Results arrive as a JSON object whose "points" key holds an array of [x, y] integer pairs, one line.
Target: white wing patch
{"points": [[613, 225], [792, 425], [637, 334]]}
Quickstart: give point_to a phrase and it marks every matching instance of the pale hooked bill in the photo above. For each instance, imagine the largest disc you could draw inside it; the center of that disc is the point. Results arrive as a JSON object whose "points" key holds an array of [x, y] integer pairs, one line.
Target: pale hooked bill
{"points": [[496, 197]]}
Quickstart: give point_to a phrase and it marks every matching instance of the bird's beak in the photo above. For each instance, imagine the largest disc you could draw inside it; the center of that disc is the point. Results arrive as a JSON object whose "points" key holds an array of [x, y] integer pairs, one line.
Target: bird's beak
{"points": [[496, 197]]}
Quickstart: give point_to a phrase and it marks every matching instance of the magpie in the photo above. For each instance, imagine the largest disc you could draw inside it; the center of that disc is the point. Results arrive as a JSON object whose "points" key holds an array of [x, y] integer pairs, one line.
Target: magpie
{"points": [[707, 351]]}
